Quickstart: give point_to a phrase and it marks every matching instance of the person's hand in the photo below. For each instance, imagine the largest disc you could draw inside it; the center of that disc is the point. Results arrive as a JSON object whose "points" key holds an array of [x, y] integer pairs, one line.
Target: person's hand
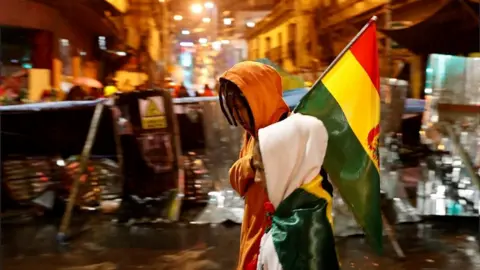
{"points": [[257, 164], [260, 177]]}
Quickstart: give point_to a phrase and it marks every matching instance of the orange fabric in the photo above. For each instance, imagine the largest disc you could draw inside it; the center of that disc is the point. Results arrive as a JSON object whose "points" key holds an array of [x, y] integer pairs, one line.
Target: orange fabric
{"points": [[262, 87]]}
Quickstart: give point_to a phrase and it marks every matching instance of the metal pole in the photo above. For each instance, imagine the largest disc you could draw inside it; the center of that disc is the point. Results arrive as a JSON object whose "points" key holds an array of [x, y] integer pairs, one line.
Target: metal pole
{"points": [[118, 142], [393, 239], [85, 156], [388, 41]]}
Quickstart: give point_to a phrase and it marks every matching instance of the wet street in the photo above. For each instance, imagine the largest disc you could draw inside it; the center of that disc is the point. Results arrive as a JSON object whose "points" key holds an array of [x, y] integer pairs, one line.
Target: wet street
{"points": [[105, 246]]}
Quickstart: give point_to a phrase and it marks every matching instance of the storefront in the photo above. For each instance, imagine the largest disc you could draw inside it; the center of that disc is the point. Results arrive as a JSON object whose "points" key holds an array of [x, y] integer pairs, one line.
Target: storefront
{"points": [[55, 40]]}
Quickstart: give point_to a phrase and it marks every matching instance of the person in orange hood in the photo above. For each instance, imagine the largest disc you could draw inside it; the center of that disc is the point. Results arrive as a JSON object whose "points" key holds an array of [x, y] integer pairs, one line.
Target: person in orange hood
{"points": [[251, 95]]}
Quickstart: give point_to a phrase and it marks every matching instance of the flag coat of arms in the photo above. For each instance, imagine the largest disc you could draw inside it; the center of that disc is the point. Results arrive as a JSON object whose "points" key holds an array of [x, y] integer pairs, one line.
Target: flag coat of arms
{"points": [[346, 99]]}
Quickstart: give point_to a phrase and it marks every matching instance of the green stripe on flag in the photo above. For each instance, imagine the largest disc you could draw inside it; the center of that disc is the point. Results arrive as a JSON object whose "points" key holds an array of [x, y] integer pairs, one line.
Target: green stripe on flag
{"points": [[302, 235], [347, 164]]}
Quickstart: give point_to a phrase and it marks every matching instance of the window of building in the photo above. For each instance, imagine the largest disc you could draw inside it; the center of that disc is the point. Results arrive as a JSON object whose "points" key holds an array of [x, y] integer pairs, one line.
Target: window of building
{"points": [[280, 49], [65, 56], [268, 46], [292, 32], [292, 37], [16, 48]]}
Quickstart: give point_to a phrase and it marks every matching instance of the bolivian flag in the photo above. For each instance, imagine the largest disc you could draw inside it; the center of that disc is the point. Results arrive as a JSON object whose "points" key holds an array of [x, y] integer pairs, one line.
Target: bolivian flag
{"points": [[346, 99]]}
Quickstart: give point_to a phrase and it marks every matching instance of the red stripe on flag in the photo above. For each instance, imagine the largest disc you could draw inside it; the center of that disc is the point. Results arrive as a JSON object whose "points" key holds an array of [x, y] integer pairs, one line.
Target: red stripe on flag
{"points": [[366, 53]]}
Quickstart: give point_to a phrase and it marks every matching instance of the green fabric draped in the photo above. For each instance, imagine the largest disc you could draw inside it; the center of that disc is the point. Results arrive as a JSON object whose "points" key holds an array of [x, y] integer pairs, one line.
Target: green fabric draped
{"points": [[302, 234]]}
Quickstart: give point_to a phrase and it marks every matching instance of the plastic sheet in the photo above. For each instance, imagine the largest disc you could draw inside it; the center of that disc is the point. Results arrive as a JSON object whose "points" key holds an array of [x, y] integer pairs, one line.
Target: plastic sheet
{"points": [[222, 144]]}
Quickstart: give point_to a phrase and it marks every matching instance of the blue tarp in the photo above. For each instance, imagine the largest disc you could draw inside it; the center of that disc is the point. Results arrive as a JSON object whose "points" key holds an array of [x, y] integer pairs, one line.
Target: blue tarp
{"points": [[293, 97], [48, 106], [413, 105]]}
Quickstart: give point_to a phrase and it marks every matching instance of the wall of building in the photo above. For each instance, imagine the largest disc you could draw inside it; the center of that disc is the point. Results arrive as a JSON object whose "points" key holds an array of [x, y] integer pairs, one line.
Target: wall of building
{"points": [[280, 36], [340, 19], [147, 21], [30, 14], [36, 15]]}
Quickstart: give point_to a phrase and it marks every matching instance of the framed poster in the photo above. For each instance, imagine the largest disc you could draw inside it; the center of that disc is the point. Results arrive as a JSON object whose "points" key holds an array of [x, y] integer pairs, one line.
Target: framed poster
{"points": [[152, 113], [157, 151]]}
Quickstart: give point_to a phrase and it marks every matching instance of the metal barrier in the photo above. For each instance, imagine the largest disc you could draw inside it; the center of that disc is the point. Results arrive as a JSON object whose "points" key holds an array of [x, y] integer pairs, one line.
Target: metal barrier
{"points": [[221, 145], [150, 140]]}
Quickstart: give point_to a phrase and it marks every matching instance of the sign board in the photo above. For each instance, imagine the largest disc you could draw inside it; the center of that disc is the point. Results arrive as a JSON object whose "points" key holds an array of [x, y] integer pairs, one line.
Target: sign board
{"points": [[152, 113]]}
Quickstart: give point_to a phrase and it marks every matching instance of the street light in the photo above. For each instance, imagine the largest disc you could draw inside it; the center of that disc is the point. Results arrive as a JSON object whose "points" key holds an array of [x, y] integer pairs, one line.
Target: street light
{"points": [[227, 21], [217, 45], [209, 5], [206, 20], [250, 24], [196, 8], [185, 32], [178, 17], [186, 44], [202, 40]]}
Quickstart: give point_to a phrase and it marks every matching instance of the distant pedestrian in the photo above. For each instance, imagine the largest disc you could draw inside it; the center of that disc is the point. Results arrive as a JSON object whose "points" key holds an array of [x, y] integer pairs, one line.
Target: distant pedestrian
{"points": [[182, 92], [76, 93], [208, 92]]}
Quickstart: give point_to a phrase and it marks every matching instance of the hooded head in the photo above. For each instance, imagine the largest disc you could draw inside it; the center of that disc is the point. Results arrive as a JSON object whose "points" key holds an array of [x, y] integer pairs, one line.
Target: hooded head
{"points": [[252, 95], [292, 153]]}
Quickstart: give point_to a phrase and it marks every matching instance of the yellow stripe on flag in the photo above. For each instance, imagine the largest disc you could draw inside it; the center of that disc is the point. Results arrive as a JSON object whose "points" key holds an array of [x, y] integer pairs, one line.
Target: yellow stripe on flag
{"points": [[315, 188], [354, 91]]}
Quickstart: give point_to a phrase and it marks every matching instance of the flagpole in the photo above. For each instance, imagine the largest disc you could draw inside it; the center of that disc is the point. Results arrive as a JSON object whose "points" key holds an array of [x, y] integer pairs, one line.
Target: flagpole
{"points": [[342, 53]]}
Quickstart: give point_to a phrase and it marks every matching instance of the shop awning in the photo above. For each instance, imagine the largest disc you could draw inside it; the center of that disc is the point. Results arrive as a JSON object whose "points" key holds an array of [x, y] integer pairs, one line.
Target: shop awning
{"points": [[451, 29], [87, 14]]}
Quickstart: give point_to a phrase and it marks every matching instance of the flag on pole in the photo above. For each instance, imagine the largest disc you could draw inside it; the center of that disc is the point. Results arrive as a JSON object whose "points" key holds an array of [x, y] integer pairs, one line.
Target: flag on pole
{"points": [[346, 99]]}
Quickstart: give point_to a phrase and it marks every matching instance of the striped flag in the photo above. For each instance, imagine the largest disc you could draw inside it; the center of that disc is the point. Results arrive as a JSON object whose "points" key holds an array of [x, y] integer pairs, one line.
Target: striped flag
{"points": [[346, 99]]}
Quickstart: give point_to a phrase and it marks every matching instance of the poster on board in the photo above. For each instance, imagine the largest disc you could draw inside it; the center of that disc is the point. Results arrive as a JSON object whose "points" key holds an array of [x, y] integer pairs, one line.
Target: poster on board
{"points": [[152, 113], [157, 151]]}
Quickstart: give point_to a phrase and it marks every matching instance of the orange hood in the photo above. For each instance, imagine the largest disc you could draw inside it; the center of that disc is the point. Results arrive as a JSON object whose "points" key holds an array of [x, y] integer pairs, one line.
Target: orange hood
{"points": [[262, 87]]}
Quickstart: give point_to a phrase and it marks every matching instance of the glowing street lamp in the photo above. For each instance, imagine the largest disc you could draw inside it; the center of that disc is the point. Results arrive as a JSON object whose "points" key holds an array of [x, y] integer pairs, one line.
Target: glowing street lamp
{"points": [[217, 45], [178, 17], [185, 32], [196, 8], [186, 44], [209, 5], [227, 21], [202, 40], [250, 24], [206, 20]]}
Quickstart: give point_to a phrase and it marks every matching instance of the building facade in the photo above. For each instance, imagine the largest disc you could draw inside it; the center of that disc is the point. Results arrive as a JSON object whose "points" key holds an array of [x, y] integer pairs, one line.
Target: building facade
{"points": [[236, 18], [55, 41], [285, 37], [145, 33], [304, 36]]}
